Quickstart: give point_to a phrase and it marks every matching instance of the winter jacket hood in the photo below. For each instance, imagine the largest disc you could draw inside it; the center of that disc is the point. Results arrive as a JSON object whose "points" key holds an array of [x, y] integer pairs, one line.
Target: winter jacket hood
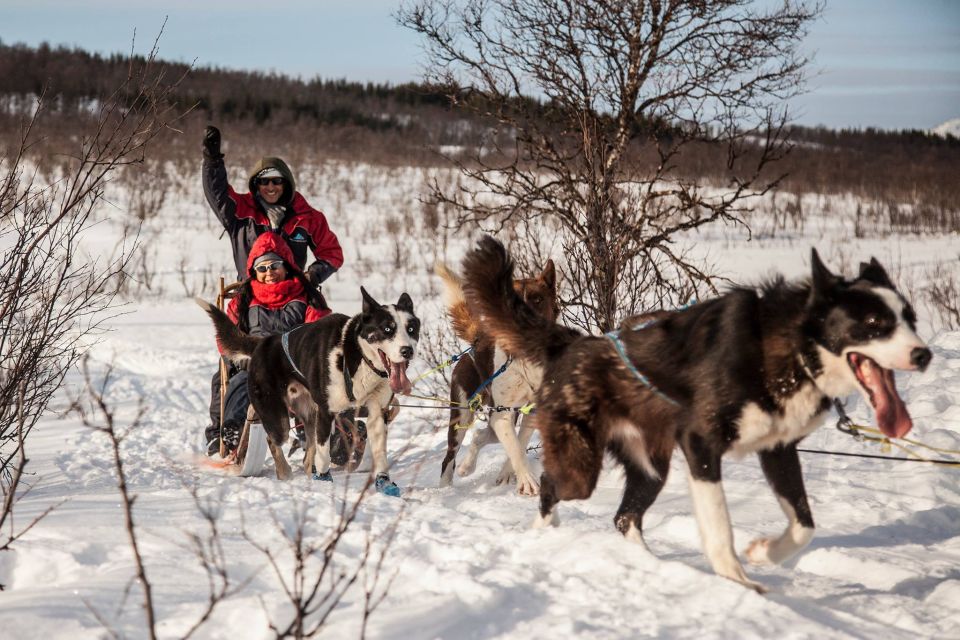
{"points": [[270, 242], [281, 166]]}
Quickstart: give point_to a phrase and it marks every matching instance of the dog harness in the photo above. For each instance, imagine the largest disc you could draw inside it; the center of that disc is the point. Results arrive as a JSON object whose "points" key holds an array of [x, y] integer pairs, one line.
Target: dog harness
{"points": [[285, 343], [614, 337], [348, 381], [475, 398]]}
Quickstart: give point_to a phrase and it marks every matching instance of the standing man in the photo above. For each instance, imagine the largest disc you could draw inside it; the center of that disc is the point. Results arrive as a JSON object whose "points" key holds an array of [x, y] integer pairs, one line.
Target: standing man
{"points": [[272, 204]]}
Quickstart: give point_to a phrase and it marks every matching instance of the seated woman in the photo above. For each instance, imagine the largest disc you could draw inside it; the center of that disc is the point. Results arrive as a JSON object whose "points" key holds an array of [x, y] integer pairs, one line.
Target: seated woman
{"points": [[274, 299]]}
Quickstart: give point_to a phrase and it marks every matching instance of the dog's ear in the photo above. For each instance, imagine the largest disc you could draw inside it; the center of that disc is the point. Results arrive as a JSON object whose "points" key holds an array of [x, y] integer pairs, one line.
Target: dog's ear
{"points": [[874, 272], [823, 281], [549, 275], [405, 303], [369, 304]]}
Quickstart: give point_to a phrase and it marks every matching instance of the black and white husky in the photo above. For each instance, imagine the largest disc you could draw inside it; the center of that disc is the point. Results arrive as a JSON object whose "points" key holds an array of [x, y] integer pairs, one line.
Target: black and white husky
{"points": [[324, 368], [750, 371]]}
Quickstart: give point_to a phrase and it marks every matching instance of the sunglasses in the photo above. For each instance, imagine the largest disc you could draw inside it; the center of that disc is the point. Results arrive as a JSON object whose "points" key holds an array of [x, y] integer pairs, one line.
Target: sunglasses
{"points": [[274, 181], [273, 266]]}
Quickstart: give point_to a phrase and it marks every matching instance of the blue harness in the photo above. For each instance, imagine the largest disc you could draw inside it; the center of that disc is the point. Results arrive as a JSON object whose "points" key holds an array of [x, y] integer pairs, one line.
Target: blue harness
{"points": [[285, 342], [614, 337]]}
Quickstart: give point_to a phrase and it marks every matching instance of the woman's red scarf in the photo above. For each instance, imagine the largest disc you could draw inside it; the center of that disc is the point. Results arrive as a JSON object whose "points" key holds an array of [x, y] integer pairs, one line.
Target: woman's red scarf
{"points": [[275, 295]]}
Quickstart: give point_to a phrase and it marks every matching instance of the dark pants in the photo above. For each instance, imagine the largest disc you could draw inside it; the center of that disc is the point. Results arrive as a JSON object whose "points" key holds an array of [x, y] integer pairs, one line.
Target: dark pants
{"points": [[235, 408], [235, 411]]}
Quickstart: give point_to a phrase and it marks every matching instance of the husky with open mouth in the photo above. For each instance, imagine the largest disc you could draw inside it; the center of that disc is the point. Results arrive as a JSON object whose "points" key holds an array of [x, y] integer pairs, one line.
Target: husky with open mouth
{"points": [[325, 368], [752, 371]]}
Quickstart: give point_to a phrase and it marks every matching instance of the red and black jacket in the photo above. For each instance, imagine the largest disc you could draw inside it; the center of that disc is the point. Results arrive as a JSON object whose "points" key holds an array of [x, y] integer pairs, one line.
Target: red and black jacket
{"points": [[303, 228]]}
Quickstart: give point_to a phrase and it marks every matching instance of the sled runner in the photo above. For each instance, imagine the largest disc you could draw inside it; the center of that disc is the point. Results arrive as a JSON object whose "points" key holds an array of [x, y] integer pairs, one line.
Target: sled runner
{"points": [[252, 450]]}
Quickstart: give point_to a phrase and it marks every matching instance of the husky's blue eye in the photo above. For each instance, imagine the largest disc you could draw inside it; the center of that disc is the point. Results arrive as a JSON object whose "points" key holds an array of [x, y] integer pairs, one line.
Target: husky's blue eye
{"points": [[410, 329], [388, 329]]}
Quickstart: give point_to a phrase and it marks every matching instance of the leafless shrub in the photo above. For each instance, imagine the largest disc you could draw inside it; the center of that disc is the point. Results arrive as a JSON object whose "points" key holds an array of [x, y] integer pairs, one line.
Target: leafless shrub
{"points": [[196, 281], [147, 186], [95, 413], [88, 407], [53, 294], [601, 155], [313, 581], [398, 236], [943, 294], [437, 344], [10, 482]]}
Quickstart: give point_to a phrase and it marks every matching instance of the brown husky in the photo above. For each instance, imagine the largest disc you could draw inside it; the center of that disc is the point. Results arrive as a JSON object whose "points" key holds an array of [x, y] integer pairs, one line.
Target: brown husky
{"points": [[512, 388]]}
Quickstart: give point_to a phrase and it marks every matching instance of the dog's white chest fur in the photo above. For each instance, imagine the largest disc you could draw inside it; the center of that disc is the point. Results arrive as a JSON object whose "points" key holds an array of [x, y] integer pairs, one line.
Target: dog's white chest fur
{"points": [[759, 430], [365, 383], [518, 383]]}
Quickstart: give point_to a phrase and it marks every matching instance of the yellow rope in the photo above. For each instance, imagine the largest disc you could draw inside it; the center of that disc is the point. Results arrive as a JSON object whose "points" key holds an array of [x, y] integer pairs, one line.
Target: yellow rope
{"points": [[886, 443], [445, 401], [474, 405]]}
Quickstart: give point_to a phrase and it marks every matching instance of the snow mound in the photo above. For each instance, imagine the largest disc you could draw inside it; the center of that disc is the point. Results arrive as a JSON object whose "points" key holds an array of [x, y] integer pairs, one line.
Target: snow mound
{"points": [[948, 128]]}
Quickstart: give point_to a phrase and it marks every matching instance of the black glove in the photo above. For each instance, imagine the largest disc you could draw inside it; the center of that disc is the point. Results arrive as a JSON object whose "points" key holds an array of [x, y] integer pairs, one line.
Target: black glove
{"points": [[211, 143], [320, 271]]}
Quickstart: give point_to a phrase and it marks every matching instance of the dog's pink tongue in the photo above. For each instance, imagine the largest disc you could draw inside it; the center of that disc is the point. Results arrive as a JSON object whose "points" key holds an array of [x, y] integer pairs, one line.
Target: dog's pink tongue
{"points": [[399, 383], [892, 416]]}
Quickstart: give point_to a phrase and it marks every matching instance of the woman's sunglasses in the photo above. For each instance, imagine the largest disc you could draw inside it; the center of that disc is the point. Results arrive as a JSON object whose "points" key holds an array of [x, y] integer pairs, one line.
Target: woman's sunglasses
{"points": [[273, 266], [274, 181]]}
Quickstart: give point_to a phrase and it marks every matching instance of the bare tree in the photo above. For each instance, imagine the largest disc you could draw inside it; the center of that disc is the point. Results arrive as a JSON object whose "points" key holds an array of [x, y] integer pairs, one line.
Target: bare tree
{"points": [[54, 295], [592, 105]]}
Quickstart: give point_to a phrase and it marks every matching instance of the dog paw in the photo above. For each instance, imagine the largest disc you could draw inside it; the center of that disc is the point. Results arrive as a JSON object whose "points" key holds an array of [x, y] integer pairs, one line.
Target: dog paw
{"points": [[466, 467], [386, 486], [758, 552], [527, 485], [506, 477], [542, 522], [325, 476], [446, 477]]}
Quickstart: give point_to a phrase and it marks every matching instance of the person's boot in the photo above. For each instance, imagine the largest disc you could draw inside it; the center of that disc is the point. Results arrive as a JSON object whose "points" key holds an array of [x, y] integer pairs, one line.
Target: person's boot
{"points": [[231, 437]]}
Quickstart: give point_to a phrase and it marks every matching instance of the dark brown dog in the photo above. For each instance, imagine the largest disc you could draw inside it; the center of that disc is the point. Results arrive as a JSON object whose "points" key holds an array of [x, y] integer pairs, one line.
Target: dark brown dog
{"points": [[751, 371]]}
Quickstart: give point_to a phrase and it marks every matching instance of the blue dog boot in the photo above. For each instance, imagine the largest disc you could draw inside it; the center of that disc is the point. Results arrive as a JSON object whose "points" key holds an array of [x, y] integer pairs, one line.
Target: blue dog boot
{"points": [[386, 486], [325, 476]]}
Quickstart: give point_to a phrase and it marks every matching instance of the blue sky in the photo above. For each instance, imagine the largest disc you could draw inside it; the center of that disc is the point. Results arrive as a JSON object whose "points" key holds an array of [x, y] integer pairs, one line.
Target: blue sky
{"points": [[885, 63]]}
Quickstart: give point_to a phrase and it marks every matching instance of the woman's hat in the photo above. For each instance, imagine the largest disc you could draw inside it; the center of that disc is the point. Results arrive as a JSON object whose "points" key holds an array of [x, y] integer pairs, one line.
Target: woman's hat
{"points": [[267, 257]]}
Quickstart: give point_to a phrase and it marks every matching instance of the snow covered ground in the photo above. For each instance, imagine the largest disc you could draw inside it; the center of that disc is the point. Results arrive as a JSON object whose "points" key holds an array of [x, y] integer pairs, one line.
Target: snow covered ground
{"points": [[464, 562]]}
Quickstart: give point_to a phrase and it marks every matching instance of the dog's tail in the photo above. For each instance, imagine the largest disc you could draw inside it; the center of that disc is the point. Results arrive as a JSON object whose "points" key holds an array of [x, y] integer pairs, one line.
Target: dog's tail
{"points": [[465, 325], [233, 343], [513, 324]]}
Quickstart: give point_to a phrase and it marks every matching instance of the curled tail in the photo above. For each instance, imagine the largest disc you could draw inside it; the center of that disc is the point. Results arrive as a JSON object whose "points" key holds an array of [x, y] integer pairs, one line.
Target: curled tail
{"points": [[233, 343], [513, 324], [464, 324]]}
